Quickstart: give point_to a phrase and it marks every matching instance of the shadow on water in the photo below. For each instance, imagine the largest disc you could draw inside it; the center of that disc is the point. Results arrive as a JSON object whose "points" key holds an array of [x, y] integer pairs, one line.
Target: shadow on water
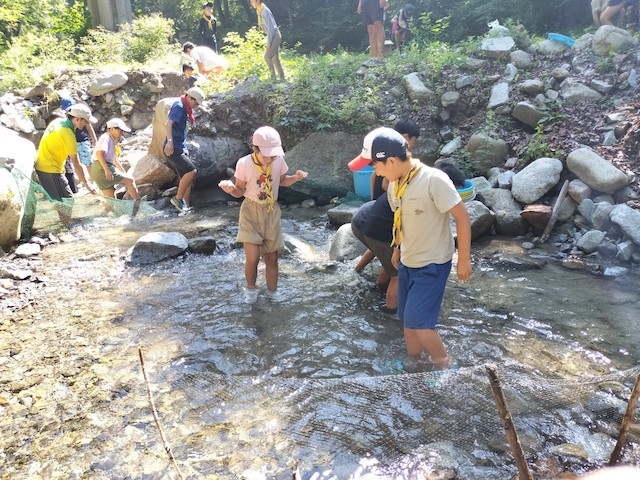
{"points": [[311, 373]]}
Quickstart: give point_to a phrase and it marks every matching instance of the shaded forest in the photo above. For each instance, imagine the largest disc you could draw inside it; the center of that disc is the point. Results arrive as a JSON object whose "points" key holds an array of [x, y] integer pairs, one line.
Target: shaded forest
{"points": [[308, 25]]}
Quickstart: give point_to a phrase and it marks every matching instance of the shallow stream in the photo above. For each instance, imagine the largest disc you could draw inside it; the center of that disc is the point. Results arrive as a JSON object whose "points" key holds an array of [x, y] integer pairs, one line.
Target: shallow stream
{"points": [[310, 378]]}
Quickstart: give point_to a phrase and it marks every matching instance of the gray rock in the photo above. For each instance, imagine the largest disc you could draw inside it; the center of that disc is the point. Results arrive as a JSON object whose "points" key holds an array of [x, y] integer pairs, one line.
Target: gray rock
{"points": [[451, 147], [481, 218], [416, 89], [609, 39], [486, 152], [341, 214], [532, 87], [107, 82], [578, 190], [595, 171], [205, 244], [465, 81], [629, 221], [345, 245], [600, 215], [508, 220], [626, 249], [497, 47], [527, 114], [157, 246], [27, 250], [590, 241], [499, 95], [510, 73], [18, 156], [521, 59], [449, 99], [536, 179], [574, 92]]}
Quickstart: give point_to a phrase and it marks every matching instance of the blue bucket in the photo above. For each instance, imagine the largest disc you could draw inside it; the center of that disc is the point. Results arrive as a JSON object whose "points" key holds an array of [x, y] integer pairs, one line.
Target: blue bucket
{"points": [[362, 182]]}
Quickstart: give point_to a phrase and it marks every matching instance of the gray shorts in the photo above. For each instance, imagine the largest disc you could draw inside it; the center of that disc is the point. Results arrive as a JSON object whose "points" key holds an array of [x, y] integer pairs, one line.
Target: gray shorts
{"points": [[55, 184], [382, 250]]}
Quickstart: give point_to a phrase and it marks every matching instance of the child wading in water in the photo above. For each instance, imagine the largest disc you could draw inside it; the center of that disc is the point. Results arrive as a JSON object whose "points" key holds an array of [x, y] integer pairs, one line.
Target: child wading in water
{"points": [[258, 176]]}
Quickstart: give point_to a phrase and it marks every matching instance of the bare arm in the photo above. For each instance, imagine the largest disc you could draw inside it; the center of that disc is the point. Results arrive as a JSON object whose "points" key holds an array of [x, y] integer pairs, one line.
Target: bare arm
{"points": [[82, 173], [463, 229], [288, 180], [234, 189], [92, 134], [168, 148]]}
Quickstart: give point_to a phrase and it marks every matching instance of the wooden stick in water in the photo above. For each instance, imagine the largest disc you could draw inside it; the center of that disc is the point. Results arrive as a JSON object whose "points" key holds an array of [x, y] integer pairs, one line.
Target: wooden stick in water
{"points": [[626, 421], [505, 418], [155, 417]]}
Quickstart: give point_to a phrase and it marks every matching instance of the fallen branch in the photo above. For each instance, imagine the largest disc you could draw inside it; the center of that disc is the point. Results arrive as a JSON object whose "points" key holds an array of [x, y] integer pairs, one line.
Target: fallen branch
{"points": [[554, 213], [157, 420]]}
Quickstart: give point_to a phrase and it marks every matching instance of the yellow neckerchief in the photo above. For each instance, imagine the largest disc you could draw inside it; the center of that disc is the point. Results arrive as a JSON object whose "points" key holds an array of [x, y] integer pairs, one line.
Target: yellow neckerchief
{"points": [[398, 192], [265, 176], [209, 21], [259, 9]]}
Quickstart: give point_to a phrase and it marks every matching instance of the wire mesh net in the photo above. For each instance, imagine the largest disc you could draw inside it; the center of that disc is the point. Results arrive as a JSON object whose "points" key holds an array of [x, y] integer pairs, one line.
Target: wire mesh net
{"points": [[393, 426], [41, 212]]}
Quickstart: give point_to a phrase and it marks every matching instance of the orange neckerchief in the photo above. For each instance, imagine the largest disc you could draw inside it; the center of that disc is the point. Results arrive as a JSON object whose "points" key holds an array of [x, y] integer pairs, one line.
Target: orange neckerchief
{"points": [[398, 192], [209, 21], [188, 108], [265, 177]]}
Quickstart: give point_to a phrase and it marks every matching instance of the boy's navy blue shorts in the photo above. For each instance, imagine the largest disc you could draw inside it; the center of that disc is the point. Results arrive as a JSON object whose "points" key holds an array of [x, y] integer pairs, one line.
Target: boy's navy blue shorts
{"points": [[420, 292], [371, 12]]}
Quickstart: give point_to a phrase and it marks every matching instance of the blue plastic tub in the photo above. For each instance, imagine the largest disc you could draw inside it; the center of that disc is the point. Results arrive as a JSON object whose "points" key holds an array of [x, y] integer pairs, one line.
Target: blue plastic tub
{"points": [[468, 192], [362, 182]]}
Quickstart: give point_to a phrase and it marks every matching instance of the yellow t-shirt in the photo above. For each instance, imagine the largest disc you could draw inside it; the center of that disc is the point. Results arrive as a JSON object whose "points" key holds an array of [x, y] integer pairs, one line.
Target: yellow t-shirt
{"points": [[55, 147]]}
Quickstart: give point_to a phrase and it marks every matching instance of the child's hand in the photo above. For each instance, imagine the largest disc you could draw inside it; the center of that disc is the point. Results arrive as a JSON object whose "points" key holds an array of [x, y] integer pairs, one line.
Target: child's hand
{"points": [[226, 185], [300, 175]]}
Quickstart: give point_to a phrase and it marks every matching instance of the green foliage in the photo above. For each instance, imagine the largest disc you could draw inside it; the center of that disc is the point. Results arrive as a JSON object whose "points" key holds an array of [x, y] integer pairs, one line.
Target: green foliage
{"points": [[148, 36], [245, 55], [538, 148], [551, 112], [427, 29], [101, 47], [30, 57], [72, 21]]}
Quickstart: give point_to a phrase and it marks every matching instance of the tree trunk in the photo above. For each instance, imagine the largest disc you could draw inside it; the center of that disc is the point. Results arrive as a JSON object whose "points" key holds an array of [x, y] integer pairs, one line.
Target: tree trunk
{"points": [[110, 14]]}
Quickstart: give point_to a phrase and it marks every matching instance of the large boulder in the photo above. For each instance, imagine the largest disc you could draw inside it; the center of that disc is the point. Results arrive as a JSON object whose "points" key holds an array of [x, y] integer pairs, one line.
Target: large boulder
{"points": [[17, 204], [536, 179], [324, 156], [486, 152], [157, 246], [609, 39], [595, 171]]}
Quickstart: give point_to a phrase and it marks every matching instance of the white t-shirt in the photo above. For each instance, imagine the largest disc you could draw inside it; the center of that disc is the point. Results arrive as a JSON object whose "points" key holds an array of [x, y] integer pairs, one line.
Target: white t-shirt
{"points": [[207, 57], [256, 187], [426, 233]]}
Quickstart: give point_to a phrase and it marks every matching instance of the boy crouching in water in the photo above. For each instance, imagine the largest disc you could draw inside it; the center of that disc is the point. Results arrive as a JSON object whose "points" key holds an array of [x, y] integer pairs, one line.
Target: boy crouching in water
{"points": [[258, 176]]}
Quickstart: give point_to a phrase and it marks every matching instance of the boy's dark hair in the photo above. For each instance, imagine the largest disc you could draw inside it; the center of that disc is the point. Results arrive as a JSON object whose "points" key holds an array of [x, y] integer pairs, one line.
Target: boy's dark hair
{"points": [[454, 173], [187, 46], [186, 66], [408, 126]]}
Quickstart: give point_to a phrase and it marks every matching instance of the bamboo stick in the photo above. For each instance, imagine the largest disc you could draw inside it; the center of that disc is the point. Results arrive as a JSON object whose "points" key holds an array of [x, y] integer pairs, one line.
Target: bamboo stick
{"points": [[507, 423], [626, 421], [155, 417]]}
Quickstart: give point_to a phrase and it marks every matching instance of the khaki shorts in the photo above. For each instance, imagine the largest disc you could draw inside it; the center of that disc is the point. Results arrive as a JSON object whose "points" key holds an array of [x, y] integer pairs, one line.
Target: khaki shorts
{"points": [[98, 176], [260, 226]]}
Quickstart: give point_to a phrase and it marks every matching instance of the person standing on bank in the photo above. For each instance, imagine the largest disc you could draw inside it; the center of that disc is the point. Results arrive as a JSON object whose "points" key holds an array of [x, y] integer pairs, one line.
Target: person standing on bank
{"points": [[258, 178], [422, 198], [175, 146], [268, 25], [372, 12], [207, 26]]}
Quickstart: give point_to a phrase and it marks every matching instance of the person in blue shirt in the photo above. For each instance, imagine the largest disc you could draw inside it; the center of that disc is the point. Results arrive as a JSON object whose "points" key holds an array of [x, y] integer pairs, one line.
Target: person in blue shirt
{"points": [[175, 146]]}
